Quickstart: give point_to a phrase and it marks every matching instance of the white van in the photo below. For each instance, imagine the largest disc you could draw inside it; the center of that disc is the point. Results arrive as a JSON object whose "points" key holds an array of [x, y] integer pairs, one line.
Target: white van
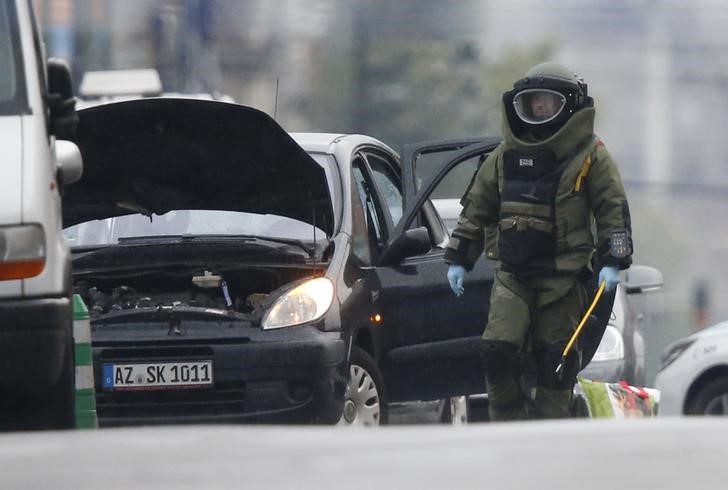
{"points": [[36, 315]]}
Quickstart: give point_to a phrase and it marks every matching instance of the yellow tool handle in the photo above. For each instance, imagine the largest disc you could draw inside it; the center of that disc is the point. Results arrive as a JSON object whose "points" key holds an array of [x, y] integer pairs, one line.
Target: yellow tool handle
{"points": [[584, 319]]}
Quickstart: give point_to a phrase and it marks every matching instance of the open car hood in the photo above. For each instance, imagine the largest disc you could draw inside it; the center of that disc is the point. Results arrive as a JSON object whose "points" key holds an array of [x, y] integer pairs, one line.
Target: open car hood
{"points": [[156, 155]]}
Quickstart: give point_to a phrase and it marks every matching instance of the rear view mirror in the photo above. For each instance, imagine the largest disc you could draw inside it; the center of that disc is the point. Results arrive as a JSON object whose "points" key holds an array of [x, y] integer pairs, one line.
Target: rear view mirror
{"points": [[61, 102], [642, 278], [415, 241], [69, 163]]}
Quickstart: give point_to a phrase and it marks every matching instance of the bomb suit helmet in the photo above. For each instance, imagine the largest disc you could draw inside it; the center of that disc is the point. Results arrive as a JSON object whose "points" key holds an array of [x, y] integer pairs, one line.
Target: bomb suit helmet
{"points": [[543, 100]]}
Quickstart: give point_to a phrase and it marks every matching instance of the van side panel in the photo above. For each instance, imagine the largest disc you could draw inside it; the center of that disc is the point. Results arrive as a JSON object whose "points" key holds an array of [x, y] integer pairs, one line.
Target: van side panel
{"points": [[10, 186], [42, 204]]}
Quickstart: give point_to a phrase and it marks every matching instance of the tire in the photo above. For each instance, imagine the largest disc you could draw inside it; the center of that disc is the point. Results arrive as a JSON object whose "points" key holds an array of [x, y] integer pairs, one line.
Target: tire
{"points": [[59, 408], [712, 399], [365, 400], [54, 409], [579, 407], [455, 410]]}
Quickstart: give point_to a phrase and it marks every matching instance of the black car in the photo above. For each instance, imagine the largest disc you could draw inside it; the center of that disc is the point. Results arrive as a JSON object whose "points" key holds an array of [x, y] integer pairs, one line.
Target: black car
{"points": [[236, 273]]}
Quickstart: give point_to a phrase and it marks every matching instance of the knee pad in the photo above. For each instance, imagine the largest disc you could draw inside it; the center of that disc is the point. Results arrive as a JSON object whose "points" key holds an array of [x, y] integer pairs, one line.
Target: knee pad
{"points": [[547, 360], [500, 360]]}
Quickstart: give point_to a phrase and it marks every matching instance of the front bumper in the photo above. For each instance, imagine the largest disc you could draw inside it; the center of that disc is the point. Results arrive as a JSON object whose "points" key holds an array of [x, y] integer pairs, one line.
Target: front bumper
{"points": [[297, 380], [35, 338], [605, 371], [673, 387]]}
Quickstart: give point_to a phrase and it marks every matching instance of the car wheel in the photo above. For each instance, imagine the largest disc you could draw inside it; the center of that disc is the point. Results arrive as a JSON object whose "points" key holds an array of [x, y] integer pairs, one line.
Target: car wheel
{"points": [[58, 411], [712, 399], [579, 407], [365, 402], [455, 411], [54, 409]]}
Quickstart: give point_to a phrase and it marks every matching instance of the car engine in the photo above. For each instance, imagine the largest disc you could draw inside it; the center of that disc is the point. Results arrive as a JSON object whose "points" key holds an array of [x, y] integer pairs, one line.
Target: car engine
{"points": [[242, 291]]}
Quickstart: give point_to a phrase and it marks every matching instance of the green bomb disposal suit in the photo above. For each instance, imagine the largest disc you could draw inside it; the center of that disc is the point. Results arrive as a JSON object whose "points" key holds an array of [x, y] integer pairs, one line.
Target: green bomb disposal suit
{"points": [[548, 197]]}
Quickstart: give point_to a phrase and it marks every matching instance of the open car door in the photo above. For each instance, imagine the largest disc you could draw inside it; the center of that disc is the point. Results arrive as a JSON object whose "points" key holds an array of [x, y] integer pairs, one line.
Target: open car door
{"points": [[433, 352]]}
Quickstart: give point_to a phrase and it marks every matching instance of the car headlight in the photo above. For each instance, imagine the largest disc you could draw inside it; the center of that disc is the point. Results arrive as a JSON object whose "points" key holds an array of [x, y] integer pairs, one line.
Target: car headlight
{"points": [[611, 347], [302, 304], [22, 251], [674, 350]]}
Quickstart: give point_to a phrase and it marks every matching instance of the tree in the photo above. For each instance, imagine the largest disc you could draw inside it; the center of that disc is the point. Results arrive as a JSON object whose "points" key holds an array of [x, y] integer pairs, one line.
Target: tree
{"points": [[403, 89]]}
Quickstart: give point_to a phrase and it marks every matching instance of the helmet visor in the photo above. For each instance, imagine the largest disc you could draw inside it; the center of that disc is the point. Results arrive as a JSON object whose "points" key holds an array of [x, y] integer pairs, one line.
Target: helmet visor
{"points": [[538, 106]]}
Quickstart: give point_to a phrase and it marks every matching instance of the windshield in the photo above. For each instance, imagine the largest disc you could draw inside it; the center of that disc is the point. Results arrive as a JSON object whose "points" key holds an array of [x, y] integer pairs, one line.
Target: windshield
{"points": [[191, 223], [12, 94]]}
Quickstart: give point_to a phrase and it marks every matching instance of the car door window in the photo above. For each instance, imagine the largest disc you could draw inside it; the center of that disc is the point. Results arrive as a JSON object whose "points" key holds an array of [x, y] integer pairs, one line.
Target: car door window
{"points": [[457, 181], [438, 174], [367, 196], [359, 234], [427, 163], [388, 185], [447, 194], [390, 188]]}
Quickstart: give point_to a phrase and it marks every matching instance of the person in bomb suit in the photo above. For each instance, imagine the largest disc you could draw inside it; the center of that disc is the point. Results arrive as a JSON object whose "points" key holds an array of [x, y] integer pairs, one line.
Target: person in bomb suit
{"points": [[551, 201]]}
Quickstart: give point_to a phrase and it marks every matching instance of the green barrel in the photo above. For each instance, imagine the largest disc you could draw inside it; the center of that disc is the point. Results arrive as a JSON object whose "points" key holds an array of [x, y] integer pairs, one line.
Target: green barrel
{"points": [[85, 395]]}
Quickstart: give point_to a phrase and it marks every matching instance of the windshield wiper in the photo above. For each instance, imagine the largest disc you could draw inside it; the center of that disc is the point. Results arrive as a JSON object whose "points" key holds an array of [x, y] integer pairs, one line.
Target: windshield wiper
{"points": [[310, 251], [88, 248]]}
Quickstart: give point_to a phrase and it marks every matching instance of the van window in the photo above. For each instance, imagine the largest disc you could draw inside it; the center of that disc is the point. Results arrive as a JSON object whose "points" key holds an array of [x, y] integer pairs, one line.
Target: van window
{"points": [[12, 86]]}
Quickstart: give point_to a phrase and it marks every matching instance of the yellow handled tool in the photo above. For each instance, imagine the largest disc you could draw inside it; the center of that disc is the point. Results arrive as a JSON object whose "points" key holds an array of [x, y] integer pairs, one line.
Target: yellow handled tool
{"points": [[560, 367]]}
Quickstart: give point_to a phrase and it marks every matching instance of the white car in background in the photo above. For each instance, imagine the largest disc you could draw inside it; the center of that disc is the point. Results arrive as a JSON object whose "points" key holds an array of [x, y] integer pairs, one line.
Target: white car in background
{"points": [[693, 379], [108, 86]]}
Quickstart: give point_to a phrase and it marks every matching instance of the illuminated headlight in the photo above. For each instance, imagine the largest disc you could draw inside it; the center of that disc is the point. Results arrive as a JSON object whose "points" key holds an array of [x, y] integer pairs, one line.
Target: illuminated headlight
{"points": [[675, 350], [611, 348], [22, 251], [305, 303]]}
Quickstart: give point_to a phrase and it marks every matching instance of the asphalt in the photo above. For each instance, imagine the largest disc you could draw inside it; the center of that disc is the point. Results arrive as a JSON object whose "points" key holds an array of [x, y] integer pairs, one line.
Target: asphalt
{"points": [[573, 454]]}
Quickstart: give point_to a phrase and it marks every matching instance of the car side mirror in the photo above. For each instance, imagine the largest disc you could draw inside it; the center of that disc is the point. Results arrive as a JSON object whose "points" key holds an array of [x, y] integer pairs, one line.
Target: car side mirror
{"points": [[415, 241], [61, 102], [642, 278], [69, 163]]}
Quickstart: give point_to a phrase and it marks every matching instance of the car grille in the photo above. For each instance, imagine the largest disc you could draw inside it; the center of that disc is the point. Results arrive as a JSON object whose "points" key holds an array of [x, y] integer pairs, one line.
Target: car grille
{"points": [[223, 399], [154, 353]]}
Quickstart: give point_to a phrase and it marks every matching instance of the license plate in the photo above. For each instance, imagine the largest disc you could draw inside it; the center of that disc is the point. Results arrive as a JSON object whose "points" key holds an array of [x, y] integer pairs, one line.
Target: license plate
{"points": [[157, 375]]}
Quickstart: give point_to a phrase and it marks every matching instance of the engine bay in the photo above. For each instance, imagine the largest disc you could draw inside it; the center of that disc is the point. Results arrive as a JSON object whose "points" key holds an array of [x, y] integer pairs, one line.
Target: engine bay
{"points": [[239, 290]]}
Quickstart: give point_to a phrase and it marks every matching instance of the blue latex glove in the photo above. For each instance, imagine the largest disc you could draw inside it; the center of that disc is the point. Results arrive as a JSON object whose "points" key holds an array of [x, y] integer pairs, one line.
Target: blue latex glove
{"points": [[456, 276], [610, 275]]}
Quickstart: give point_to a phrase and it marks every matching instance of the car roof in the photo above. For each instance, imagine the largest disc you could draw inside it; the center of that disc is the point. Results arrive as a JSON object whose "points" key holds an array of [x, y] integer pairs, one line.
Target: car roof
{"points": [[333, 142], [316, 142]]}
